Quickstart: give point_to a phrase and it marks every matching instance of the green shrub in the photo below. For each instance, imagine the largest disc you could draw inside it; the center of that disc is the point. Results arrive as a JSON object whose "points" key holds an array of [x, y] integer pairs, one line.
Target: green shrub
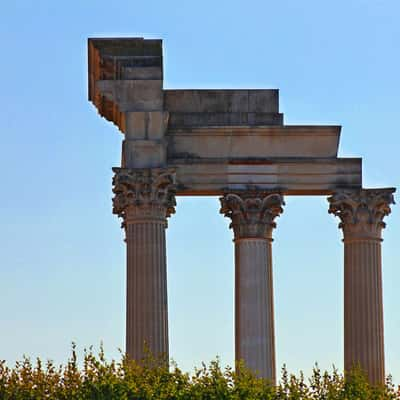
{"points": [[99, 379]]}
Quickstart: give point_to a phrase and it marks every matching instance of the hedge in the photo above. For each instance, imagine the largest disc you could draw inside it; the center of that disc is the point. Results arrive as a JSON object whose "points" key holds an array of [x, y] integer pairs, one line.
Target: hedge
{"points": [[98, 379]]}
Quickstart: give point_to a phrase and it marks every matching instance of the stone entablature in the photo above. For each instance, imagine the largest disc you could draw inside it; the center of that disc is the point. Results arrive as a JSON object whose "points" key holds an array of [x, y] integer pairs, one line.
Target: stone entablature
{"points": [[214, 139]]}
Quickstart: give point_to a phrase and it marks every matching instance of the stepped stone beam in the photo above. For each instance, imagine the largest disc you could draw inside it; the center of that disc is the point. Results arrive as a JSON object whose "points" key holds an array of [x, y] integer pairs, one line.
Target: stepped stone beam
{"points": [[144, 199], [253, 218], [361, 213]]}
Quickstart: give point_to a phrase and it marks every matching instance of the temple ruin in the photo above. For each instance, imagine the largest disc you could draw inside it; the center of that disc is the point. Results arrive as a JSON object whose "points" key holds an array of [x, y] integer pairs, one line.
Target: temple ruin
{"points": [[233, 144]]}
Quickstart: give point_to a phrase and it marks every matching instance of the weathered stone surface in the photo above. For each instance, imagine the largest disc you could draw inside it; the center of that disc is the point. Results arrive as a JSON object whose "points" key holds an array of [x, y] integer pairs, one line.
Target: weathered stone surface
{"points": [[133, 95], [222, 101], [142, 72], [201, 119], [255, 142], [145, 145], [254, 307], [289, 176], [261, 100], [147, 302], [144, 154], [113, 59], [146, 125], [361, 213]]}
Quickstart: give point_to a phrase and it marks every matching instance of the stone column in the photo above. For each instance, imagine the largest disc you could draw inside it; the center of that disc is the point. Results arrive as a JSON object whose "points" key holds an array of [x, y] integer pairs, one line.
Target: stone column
{"points": [[361, 213], [144, 198], [252, 222]]}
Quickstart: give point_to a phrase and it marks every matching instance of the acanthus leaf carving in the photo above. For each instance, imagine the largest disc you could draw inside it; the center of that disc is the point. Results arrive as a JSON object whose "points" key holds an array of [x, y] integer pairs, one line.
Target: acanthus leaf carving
{"points": [[362, 211], [144, 193], [252, 214]]}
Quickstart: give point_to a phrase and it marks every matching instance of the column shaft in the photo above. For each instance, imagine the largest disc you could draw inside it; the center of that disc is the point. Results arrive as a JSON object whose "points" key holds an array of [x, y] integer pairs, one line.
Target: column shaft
{"points": [[361, 212], [147, 311], [144, 198], [254, 308], [363, 308], [253, 220]]}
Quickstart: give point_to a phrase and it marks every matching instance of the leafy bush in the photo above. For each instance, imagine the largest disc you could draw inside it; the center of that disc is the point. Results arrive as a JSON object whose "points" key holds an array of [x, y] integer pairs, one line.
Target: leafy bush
{"points": [[152, 378]]}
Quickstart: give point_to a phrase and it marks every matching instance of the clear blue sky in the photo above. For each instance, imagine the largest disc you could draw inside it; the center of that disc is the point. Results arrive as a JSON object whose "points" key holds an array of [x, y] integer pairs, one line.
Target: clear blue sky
{"points": [[62, 256]]}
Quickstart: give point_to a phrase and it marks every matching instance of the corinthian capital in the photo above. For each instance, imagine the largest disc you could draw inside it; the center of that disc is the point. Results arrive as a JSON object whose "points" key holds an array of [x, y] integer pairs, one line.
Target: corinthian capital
{"points": [[252, 215], [362, 211], [142, 194]]}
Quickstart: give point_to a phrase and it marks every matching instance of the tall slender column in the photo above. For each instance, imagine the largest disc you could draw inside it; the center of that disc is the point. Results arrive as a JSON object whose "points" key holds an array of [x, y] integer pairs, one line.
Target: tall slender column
{"points": [[361, 213], [144, 198], [252, 222]]}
